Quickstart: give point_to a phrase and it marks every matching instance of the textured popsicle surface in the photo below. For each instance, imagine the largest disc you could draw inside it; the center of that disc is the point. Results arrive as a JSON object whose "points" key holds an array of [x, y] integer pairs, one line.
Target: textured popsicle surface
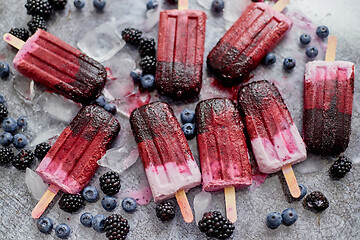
{"points": [[222, 145], [60, 67], [258, 30], [328, 101], [163, 148], [72, 160], [275, 139]]}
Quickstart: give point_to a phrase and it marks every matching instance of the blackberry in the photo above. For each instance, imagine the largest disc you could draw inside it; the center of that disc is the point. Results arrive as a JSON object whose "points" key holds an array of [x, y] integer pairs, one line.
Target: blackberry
{"points": [[132, 36], [116, 227], [213, 224], [147, 47], [110, 183], [148, 65], [21, 33], [165, 211], [58, 4], [35, 23], [38, 7], [316, 201], [3, 112], [340, 168], [23, 159], [41, 150], [71, 202], [6, 155]]}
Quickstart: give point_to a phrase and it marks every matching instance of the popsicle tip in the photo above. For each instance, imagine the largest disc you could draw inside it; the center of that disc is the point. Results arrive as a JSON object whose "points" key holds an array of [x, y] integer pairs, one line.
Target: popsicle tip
{"points": [[13, 41], [183, 5], [230, 200], [291, 181], [280, 5]]}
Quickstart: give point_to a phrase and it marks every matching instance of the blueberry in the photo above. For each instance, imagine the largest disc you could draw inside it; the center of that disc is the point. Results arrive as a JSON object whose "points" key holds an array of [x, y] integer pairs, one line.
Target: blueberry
{"points": [[152, 4], [303, 191], [90, 194], [305, 39], [189, 130], [148, 81], [9, 125], [269, 59], [2, 99], [98, 223], [62, 231], [289, 63], [136, 75], [99, 4], [6, 139], [4, 70], [110, 108], [79, 4], [129, 204], [44, 225], [273, 220], [101, 101], [187, 116], [19, 140], [322, 31], [289, 216], [109, 203], [22, 122], [86, 219], [311, 52], [217, 6]]}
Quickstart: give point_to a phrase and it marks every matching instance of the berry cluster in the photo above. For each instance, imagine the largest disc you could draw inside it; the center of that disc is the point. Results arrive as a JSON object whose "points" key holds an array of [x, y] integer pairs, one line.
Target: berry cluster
{"points": [[165, 211], [45, 225], [188, 119], [213, 224], [287, 217], [102, 102]]}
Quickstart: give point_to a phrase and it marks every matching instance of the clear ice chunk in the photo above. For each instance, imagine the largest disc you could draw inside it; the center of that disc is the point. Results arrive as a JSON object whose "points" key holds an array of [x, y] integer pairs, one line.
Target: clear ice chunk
{"points": [[202, 202], [47, 135], [24, 87], [205, 3], [35, 184], [119, 159], [152, 18], [127, 104]]}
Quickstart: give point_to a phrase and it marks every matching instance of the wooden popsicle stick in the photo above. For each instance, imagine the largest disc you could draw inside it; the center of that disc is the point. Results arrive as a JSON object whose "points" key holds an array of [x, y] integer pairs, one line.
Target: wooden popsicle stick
{"points": [[331, 49], [280, 5], [230, 202], [184, 206], [291, 181], [183, 5], [45, 201], [13, 41]]}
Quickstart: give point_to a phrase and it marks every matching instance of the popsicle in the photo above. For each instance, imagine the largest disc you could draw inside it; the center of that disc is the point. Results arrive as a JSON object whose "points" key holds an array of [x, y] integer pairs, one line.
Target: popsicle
{"points": [[169, 164], [258, 30], [328, 100], [222, 148], [58, 66], [275, 139], [72, 160]]}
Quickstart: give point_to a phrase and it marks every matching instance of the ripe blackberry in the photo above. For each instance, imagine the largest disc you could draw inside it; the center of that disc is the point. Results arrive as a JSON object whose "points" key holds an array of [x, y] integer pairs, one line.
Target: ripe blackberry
{"points": [[35, 23], [6, 155], [316, 201], [340, 168], [21, 33], [3, 112], [213, 224], [147, 47], [71, 202], [116, 227], [23, 159], [58, 4], [165, 211], [132, 36], [110, 183], [148, 65], [41, 150], [38, 7]]}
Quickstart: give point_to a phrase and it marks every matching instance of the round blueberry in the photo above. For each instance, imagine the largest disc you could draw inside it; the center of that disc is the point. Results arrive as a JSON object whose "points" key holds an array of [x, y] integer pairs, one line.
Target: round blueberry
{"points": [[99, 4], [62, 231], [152, 4], [217, 6], [6, 139], [110, 107], [273, 220], [44, 225], [129, 204], [187, 116], [101, 101], [19, 140], [79, 4], [4, 70], [2, 99], [109, 203], [9, 125], [90, 194], [305, 38], [322, 31], [136, 75], [148, 81], [289, 63], [86, 219], [98, 223], [289, 216], [269, 59], [311, 51], [22, 122], [189, 130], [303, 191]]}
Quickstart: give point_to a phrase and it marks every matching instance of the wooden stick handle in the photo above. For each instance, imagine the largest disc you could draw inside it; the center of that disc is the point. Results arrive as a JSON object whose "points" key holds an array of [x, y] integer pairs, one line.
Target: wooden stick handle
{"points": [[230, 201], [184, 206], [45, 201], [13, 41], [291, 181], [331, 49], [280, 5], [183, 4]]}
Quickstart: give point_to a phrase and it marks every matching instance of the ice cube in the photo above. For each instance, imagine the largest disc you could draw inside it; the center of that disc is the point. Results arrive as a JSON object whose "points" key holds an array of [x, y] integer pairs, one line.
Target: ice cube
{"points": [[202, 202], [205, 3], [35, 184], [48, 135], [233, 9], [119, 159], [152, 18], [25, 87], [126, 105], [313, 163]]}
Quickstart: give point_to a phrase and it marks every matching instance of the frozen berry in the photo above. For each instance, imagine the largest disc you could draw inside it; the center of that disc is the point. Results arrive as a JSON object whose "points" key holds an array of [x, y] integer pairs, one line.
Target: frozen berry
{"points": [[86, 219], [41, 150], [4, 70], [44, 225], [289, 216], [19, 140], [322, 31], [316, 201], [129, 204], [165, 211], [340, 168], [305, 38], [62, 231]]}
